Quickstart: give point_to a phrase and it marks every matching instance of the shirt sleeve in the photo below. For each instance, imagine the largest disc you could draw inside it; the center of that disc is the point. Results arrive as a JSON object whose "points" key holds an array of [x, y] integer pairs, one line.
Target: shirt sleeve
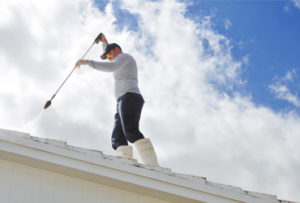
{"points": [[104, 45], [116, 64]]}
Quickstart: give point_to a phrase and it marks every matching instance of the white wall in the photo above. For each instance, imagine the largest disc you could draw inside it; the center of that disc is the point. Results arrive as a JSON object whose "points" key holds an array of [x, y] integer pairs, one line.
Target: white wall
{"points": [[23, 184]]}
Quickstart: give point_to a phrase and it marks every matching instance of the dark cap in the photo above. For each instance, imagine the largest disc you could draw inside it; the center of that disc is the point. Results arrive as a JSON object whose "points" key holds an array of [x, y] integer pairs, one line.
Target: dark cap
{"points": [[108, 48]]}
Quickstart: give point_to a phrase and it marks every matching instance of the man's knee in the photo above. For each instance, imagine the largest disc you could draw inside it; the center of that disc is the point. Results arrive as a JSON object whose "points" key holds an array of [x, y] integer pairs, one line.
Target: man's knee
{"points": [[133, 135]]}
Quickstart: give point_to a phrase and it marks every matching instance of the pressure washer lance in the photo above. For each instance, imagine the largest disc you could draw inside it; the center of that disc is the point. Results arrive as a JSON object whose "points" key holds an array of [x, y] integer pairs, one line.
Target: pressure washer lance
{"points": [[48, 103]]}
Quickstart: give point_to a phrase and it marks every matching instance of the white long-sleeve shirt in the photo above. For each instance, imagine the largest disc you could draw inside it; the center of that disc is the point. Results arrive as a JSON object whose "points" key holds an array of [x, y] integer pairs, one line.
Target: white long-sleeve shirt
{"points": [[124, 70]]}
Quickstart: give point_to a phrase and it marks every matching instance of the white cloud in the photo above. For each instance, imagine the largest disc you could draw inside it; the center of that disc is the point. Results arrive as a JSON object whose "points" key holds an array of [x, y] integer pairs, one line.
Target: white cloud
{"points": [[228, 24], [282, 91], [286, 8], [195, 128], [297, 3]]}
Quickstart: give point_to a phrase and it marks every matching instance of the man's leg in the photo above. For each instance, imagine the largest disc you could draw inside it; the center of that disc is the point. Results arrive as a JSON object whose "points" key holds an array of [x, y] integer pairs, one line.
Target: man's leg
{"points": [[118, 137], [119, 142], [129, 109]]}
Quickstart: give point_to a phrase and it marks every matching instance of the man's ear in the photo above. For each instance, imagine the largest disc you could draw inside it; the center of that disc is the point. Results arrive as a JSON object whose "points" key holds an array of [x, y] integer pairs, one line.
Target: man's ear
{"points": [[118, 50]]}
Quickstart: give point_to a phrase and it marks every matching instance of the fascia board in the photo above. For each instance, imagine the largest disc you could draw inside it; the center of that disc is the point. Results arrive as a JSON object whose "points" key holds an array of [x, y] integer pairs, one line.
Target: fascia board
{"points": [[116, 172]]}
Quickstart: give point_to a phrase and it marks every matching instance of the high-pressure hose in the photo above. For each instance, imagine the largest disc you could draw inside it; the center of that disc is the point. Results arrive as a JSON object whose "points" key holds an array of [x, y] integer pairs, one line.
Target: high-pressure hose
{"points": [[96, 41]]}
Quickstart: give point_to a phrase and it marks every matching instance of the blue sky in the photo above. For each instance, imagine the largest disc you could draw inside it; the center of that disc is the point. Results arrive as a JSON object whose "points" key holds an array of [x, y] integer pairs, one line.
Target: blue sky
{"points": [[220, 80], [266, 31]]}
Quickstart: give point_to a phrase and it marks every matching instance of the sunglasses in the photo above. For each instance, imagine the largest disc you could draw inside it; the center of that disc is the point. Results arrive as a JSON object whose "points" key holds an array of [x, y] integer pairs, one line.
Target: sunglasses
{"points": [[109, 54]]}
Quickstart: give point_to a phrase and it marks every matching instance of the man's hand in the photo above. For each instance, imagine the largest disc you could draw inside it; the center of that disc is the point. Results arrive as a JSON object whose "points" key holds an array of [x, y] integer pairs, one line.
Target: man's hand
{"points": [[79, 63], [103, 38]]}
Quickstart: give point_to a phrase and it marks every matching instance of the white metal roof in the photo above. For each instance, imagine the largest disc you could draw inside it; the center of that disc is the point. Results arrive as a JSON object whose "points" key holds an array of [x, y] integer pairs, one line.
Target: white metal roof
{"points": [[126, 174]]}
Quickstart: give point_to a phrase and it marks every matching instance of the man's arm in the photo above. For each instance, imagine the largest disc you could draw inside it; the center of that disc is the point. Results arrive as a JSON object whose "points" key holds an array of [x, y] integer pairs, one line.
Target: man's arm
{"points": [[119, 62], [83, 62], [104, 42]]}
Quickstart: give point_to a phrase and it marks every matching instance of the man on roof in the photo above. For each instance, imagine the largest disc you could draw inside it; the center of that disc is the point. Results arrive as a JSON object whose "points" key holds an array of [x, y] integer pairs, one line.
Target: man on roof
{"points": [[129, 102]]}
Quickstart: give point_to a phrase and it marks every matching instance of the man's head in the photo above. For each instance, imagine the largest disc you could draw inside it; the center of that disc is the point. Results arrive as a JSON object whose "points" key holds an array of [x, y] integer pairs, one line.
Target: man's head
{"points": [[111, 51]]}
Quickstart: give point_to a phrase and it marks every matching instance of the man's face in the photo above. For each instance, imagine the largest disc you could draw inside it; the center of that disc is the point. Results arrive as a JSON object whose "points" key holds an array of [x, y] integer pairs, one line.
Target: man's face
{"points": [[111, 55]]}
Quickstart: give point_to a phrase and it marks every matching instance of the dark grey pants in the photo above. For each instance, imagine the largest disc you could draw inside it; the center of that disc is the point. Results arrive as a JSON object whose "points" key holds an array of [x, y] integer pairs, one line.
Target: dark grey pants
{"points": [[126, 127]]}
